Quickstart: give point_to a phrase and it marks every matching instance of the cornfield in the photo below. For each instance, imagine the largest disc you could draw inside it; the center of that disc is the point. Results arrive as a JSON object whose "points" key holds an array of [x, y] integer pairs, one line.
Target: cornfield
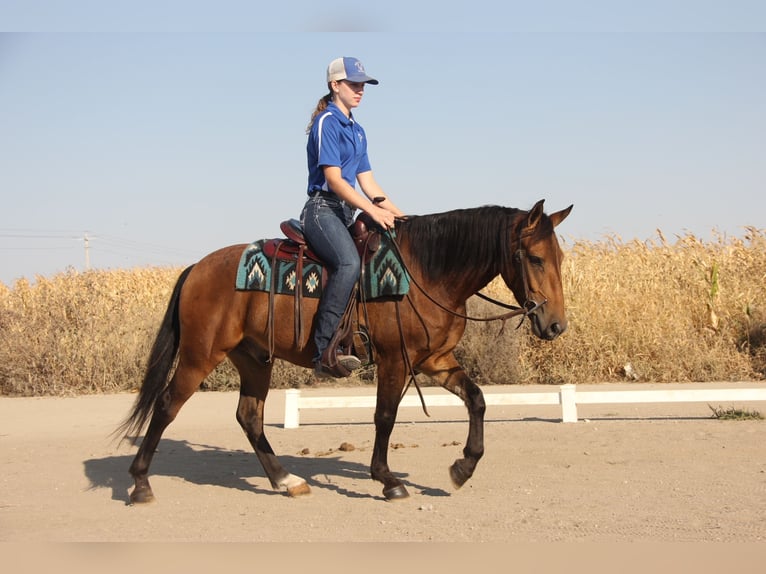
{"points": [[651, 311]]}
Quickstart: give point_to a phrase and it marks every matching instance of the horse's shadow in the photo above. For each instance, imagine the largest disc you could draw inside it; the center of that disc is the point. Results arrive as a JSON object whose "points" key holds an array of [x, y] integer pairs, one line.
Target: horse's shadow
{"points": [[211, 465]]}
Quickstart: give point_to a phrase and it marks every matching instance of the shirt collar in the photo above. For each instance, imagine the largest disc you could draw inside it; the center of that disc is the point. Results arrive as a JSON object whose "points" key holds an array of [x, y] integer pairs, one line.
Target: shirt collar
{"points": [[340, 115]]}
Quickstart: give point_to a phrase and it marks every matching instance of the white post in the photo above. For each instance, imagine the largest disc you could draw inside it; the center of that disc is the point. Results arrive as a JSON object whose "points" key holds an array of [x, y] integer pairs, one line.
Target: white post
{"points": [[292, 412], [568, 403]]}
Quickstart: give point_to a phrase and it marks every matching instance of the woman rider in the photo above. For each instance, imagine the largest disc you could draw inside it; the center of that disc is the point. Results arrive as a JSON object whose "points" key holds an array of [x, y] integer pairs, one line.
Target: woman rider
{"points": [[337, 159]]}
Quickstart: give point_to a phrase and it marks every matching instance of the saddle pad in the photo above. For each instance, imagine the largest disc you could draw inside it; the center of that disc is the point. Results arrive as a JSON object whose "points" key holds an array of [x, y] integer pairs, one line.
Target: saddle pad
{"points": [[383, 275], [255, 273]]}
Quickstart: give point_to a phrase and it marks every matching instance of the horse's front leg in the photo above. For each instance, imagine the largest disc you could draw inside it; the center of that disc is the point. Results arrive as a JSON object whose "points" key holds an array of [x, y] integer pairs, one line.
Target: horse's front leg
{"points": [[390, 385], [453, 378]]}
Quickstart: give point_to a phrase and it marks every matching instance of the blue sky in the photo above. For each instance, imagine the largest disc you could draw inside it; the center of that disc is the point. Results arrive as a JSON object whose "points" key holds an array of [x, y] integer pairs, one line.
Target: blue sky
{"points": [[163, 137]]}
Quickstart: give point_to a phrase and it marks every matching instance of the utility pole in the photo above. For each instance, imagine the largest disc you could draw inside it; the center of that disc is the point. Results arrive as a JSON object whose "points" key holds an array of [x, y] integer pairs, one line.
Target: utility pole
{"points": [[87, 251]]}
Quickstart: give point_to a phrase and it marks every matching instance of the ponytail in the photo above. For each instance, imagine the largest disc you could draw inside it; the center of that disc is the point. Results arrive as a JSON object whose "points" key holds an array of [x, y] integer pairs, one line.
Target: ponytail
{"points": [[321, 106]]}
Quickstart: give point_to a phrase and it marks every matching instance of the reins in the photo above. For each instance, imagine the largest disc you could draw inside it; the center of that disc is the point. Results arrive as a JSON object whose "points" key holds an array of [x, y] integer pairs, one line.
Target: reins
{"points": [[528, 308]]}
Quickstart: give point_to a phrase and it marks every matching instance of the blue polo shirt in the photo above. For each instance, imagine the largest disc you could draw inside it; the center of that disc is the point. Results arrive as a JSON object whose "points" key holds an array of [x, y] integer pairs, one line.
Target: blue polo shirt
{"points": [[335, 140]]}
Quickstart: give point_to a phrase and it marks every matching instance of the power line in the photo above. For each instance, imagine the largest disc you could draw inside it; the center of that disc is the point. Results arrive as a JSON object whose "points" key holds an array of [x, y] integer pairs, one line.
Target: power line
{"points": [[25, 234], [42, 248], [130, 244], [92, 243]]}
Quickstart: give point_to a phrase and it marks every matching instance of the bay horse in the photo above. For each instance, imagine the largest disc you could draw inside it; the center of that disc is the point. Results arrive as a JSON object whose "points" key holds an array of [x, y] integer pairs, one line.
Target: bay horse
{"points": [[449, 257]]}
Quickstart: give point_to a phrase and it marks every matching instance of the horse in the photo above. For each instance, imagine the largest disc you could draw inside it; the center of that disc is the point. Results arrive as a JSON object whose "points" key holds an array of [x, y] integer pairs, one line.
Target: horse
{"points": [[449, 256]]}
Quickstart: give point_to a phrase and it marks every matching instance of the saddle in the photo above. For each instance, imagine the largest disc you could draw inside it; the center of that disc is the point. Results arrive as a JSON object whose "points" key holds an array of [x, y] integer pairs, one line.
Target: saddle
{"points": [[294, 245], [348, 339]]}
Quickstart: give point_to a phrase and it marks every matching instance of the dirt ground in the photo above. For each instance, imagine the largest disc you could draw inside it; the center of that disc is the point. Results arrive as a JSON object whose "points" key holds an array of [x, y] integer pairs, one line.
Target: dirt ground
{"points": [[652, 473]]}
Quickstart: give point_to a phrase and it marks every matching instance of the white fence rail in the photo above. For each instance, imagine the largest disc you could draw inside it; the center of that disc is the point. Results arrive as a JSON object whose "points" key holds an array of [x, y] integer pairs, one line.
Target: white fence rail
{"points": [[567, 396]]}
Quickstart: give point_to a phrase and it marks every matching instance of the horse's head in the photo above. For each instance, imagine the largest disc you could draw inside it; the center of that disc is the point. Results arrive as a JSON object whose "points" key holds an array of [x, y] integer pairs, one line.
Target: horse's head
{"points": [[534, 271]]}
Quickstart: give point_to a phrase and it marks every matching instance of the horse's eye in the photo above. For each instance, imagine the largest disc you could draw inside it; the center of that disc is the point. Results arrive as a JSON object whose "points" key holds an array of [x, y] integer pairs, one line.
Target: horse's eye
{"points": [[535, 260]]}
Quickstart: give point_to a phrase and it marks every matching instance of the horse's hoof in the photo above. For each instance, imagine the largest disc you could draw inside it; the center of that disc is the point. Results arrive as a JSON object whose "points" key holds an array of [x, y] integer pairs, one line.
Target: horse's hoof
{"points": [[458, 475], [141, 496], [299, 490], [396, 492]]}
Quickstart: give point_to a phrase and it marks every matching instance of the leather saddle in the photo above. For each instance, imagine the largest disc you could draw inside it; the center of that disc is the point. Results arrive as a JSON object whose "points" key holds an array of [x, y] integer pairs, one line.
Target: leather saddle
{"points": [[348, 339], [294, 245]]}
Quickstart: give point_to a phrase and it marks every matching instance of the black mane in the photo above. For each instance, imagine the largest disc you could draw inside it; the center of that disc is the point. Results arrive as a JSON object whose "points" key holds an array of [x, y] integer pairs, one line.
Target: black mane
{"points": [[443, 245]]}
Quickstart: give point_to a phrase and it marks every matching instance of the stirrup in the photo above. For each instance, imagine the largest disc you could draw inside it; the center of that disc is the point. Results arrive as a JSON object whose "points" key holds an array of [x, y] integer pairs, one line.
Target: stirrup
{"points": [[350, 362], [340, 370]]}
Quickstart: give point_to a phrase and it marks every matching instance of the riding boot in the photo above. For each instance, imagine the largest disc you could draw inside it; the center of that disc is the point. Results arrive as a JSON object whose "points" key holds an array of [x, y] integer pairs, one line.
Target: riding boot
{"points": [[336, 360], [334, 365]]}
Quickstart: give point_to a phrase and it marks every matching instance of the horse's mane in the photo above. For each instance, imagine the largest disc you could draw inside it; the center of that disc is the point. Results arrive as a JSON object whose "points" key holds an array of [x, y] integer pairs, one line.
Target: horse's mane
{"points": [[445, 244]]}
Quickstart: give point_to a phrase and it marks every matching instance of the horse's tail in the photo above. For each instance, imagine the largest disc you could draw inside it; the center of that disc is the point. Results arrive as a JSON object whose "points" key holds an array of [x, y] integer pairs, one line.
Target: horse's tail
{"points": [[161, 360]]}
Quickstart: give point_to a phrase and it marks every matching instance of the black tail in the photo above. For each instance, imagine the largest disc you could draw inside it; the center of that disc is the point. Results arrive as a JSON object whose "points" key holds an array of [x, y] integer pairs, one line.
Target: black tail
{"points": [[161, 359]]}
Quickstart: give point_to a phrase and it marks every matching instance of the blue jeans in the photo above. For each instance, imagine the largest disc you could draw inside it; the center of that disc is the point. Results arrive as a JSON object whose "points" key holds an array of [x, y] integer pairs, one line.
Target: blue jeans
{"points": [[325, 222]]}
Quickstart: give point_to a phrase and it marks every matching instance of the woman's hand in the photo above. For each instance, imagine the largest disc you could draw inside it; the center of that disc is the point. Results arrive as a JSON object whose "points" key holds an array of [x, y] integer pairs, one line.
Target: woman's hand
{"points": [[382, 217]]}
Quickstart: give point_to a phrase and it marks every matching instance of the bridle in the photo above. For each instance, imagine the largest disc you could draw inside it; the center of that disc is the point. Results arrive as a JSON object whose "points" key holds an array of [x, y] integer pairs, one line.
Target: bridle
{"points": [[528, 308]]}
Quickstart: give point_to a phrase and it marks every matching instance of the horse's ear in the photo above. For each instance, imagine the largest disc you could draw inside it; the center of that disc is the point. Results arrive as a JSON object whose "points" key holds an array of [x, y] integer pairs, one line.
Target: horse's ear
{"points": [[560, 216], [534, 215]]}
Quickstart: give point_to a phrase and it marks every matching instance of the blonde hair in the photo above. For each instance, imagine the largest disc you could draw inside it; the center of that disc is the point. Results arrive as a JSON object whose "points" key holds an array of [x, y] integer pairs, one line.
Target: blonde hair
{"points": [[321, 106]]}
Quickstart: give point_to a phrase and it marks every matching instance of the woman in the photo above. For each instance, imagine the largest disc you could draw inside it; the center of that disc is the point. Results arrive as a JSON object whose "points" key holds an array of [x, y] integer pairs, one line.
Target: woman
{"points": [[337, 159]]}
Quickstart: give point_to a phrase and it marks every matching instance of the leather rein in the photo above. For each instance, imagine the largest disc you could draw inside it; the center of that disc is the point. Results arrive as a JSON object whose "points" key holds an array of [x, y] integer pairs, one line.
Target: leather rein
{"points": [[529, 307]]}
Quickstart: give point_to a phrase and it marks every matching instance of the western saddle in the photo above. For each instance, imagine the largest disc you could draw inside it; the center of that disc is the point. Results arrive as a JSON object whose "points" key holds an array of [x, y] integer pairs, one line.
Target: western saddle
{"points": [[348, 338]]}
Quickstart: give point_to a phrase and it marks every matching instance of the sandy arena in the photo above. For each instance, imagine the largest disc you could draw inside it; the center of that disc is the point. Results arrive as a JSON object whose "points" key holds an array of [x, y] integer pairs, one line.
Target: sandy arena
{"points": [[661, 472]]}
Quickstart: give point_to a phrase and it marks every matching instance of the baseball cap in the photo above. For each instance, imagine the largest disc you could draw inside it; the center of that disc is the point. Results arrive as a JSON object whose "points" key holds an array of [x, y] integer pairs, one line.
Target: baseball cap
{"points": [[349, 69]]}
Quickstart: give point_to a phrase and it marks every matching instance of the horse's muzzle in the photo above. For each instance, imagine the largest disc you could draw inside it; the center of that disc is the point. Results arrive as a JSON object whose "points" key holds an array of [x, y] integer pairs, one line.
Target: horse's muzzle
{"points": [[554, 330], [550, 331]]}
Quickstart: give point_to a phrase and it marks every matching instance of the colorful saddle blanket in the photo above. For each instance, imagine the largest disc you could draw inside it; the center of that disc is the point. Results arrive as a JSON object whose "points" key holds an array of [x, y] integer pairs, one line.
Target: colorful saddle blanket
{"points": [[383, 275]]}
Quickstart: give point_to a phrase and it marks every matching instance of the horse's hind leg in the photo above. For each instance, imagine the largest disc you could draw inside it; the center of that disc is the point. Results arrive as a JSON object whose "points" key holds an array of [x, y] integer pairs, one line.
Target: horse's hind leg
{"points": [[184, 383], [255, 377]]}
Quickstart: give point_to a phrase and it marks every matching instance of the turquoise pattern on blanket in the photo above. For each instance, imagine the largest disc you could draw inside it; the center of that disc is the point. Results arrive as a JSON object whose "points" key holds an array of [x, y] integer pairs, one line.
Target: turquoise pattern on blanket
{"points": [[383, 276]]}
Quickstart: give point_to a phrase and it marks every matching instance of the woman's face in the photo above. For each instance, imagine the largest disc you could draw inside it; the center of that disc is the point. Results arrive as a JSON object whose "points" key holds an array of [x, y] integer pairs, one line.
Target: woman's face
{"points": [[348, 94]]}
